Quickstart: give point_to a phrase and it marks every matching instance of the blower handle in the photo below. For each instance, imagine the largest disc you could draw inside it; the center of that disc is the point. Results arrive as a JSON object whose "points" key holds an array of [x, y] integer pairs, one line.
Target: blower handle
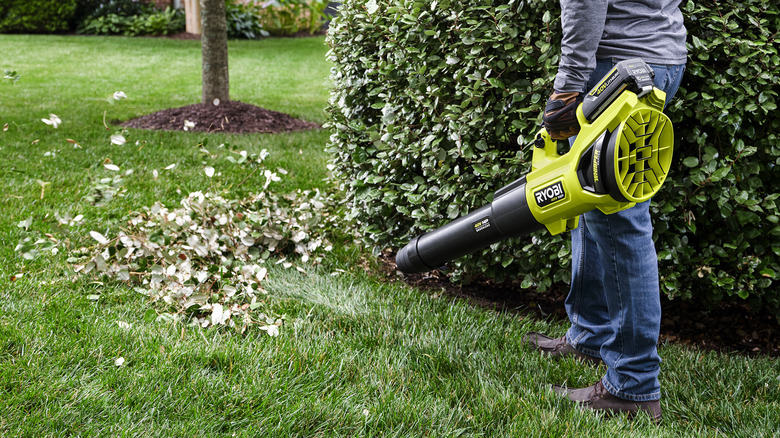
{"points": [[632, 74]]}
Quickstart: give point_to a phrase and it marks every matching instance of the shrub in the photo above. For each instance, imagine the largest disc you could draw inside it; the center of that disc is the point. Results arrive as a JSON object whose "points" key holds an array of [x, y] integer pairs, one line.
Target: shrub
{"points": [[131, 18], [717, 220], [124, 8], [87, 9], [243, 21], [434, 104], [35, 16], [289, 17], [111, 24], [154, 22]]}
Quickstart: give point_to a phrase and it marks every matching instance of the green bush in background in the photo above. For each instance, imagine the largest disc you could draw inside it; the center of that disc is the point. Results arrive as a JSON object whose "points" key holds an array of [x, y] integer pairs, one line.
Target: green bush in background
{"points": [[243, 21], [434, 104], [87, 9], [289, 17], [35, 16], [152, 22]]}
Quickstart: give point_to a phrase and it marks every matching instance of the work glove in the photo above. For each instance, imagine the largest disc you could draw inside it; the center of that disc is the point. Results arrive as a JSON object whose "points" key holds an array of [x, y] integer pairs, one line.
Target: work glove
{"points": [[560, 115]]}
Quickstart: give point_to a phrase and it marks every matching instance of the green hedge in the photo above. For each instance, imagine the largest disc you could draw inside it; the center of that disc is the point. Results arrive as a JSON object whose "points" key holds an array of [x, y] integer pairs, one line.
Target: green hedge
{"points": [[151, 22], [717, 220], [92, 9], [35, 16], [434, 104]]}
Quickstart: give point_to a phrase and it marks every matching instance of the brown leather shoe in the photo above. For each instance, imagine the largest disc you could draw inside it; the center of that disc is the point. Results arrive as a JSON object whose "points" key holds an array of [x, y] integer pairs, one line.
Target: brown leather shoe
{"points": [[557, 347], [597, 398]]}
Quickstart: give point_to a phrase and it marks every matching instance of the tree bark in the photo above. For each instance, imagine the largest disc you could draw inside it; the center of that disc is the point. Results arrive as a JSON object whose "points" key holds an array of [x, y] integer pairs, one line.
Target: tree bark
{"points": [[214, 51]]}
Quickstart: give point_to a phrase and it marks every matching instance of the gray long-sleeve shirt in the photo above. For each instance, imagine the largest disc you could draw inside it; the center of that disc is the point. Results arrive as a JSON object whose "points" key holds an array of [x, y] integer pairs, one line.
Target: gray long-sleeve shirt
{"points": [[596, 29]]}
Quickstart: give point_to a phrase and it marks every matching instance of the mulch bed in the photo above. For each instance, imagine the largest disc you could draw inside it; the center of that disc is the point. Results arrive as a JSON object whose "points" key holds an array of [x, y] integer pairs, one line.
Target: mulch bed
{"points": [[729, 327], [229, 117]]}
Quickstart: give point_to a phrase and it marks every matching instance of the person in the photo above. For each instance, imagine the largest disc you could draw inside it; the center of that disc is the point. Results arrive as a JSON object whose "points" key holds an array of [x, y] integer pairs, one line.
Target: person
{"points": [[614, 301]]}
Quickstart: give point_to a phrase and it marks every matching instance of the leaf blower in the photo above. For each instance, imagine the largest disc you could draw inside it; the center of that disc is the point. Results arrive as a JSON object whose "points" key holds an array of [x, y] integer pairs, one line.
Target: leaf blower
{"points": [[620, 157]]}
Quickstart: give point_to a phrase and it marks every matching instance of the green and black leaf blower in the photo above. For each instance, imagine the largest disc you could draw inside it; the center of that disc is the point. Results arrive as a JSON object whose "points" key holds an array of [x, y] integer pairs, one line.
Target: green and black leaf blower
{"points": [[620, 157]]}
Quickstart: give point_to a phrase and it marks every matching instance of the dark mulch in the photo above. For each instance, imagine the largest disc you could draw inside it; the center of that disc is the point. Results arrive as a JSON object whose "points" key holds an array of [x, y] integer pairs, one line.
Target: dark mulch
{"points": [[727, 327], [230, 117]]}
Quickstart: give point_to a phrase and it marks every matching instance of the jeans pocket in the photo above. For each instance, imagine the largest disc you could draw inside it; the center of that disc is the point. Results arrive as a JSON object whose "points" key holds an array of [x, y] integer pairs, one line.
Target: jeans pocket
{"points": [[668, 78]]}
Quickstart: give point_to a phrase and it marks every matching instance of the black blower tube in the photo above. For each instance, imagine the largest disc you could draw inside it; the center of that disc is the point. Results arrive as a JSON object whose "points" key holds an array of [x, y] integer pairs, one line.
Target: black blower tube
{"points": [[507, 216]]}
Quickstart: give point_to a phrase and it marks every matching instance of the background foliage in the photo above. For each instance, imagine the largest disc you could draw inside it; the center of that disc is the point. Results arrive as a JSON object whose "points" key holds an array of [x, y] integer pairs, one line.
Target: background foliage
{"points": [[246, 19], [98, 8], [289, 17], [243, 21], [434, 104], [35, 16], [148, 22], [254, 19]]}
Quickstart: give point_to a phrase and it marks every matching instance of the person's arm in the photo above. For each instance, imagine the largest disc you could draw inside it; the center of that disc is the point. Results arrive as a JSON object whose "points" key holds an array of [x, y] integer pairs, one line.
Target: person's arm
{"points": [[583, 25]]}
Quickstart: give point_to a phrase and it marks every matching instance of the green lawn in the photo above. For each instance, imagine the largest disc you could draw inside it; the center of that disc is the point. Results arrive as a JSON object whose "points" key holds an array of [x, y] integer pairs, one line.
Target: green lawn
{"points": [[357, 356]]}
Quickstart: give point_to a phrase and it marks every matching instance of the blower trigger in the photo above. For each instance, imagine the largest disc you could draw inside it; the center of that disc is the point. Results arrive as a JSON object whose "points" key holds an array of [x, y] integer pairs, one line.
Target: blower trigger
{"points": [[539, 141]]}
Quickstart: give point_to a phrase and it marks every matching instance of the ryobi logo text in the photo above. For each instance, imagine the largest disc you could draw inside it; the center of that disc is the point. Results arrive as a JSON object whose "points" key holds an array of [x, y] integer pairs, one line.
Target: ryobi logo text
{"points": [[549, 194]]}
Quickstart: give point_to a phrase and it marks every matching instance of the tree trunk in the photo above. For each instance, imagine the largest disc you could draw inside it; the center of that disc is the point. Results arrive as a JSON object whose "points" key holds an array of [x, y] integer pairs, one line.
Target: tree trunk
{"points": [[214, 50]]}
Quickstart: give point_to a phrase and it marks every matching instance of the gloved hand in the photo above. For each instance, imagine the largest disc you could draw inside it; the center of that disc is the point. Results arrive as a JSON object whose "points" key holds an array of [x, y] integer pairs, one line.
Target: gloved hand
{"points": [[560, 116]]}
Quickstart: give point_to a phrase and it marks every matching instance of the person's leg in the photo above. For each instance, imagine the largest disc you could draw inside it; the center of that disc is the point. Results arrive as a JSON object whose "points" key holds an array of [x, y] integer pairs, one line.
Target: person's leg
{"points": [[631, 291], [586, 304], [668, 79], [630, 286]]}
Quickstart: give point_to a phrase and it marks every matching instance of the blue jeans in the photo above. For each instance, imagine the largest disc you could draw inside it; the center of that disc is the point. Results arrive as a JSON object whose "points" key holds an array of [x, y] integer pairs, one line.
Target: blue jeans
{"points": [[614, 304]]}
